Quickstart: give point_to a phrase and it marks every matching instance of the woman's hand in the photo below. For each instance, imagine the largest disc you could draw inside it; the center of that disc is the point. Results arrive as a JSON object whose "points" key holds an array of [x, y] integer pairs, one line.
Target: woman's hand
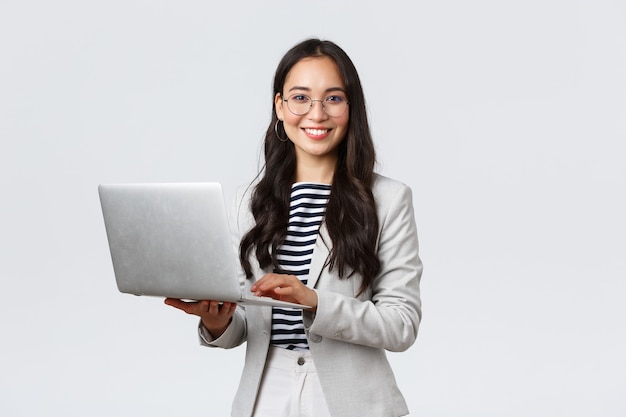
{"points": [[285, 288], [215, 315]]}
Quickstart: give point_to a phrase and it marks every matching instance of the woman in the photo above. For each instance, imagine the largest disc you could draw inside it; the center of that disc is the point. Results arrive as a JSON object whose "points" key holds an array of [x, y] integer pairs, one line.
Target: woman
{"points": [[321, 229]]}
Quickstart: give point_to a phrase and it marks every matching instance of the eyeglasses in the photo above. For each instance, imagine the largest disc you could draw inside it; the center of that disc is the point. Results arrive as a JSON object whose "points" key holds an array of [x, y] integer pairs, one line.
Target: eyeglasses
{"points": [[333, 106]]}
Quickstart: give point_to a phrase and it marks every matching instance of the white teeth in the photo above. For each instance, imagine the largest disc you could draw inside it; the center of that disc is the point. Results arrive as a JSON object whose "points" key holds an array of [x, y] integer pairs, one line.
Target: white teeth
{"points": [[316, 132]]}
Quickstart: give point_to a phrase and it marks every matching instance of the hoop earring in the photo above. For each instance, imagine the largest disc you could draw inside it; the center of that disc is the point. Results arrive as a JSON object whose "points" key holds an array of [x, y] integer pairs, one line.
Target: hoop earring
{"points": [[276, 131]]}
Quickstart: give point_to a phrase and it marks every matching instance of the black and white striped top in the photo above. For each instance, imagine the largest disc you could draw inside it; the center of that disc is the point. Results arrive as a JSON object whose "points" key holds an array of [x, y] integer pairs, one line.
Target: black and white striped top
{"points": [[306, 213]]}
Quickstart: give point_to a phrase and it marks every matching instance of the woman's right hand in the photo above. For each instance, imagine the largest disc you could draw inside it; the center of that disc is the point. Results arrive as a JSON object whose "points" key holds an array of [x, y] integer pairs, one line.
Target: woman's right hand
{"points": [[215, 315]]}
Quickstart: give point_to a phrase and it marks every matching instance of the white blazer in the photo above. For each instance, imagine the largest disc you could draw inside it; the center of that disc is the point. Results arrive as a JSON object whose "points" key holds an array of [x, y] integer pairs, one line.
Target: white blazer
{"points": [[347, 335]]}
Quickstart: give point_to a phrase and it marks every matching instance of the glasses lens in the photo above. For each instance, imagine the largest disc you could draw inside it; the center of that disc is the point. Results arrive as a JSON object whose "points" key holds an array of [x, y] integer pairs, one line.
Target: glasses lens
{"points": [[335, 106], [299, 104]]}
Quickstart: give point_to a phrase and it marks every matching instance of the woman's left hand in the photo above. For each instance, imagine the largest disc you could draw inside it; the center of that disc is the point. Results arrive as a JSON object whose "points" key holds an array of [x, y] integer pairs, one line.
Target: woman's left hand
{"points": [[285, 288]]}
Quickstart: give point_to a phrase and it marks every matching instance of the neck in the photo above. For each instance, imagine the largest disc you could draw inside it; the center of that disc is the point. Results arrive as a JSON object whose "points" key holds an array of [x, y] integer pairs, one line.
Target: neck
{"points": [[316, 171]]}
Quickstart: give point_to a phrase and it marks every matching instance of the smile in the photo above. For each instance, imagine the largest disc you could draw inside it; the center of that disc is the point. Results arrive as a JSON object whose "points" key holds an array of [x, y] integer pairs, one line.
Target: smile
{"points": [[316, 132]]}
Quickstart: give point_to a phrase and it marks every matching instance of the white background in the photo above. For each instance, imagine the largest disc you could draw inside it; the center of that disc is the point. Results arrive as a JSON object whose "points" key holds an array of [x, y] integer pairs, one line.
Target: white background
{"points": [[507, 118]]}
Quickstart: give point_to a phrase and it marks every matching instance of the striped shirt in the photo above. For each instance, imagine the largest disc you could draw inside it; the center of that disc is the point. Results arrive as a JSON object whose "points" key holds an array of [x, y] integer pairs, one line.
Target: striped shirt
{"points": [[306, 213]]}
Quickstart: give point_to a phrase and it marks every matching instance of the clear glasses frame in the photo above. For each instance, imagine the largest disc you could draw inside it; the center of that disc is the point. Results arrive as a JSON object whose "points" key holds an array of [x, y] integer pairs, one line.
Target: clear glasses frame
{"points": [[301, 104]]}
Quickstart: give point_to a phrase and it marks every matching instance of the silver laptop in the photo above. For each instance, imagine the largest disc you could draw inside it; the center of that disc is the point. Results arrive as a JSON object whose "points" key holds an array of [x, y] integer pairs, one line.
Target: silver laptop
{"points": [[173, 240]]}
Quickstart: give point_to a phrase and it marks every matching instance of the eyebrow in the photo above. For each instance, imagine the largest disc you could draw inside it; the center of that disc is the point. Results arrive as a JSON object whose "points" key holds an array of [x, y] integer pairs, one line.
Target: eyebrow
{"points": [[328, 90]]}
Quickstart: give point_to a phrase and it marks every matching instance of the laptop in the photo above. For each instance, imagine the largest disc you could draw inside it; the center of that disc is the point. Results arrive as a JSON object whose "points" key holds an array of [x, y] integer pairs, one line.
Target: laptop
{"points": [[173, 240]]}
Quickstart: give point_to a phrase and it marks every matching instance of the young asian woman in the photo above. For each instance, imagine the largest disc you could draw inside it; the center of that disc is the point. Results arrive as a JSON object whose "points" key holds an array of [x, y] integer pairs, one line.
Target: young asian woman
{"points": [[320, 227]]}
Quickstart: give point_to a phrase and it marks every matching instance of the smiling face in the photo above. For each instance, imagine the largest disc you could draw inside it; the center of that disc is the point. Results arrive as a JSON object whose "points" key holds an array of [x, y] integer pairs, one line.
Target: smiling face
{"points": [[315, 135]]}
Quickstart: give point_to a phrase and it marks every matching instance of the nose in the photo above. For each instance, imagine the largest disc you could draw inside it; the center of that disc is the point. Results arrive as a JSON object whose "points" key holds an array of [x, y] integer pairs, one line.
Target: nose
{"points": [[317, 112]]}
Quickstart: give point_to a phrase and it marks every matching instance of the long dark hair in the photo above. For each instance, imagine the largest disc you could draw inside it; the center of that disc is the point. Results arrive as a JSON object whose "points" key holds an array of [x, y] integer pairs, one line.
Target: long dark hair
{"points": [[350, 218]]}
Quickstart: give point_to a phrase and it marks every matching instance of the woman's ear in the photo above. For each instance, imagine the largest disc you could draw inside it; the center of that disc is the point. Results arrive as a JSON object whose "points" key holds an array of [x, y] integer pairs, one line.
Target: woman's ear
{"points": [[278, 103]]}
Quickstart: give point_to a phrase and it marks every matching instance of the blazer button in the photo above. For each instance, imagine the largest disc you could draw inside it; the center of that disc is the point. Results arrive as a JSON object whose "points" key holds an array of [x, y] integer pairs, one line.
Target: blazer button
{"points": [[301, 361]]}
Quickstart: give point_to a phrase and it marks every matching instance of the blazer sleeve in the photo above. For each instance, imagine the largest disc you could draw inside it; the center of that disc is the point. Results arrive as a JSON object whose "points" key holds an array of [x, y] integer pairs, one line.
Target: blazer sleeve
{"points": [[234, 335], [389, 316]]}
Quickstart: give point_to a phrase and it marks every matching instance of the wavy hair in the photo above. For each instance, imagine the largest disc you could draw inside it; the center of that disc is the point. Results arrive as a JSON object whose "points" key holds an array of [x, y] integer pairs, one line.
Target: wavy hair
{"points": [[350, 218]]}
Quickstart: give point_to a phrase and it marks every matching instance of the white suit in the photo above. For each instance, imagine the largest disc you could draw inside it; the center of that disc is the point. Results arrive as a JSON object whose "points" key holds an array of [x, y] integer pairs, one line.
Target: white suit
{"points": [[347, 335]]}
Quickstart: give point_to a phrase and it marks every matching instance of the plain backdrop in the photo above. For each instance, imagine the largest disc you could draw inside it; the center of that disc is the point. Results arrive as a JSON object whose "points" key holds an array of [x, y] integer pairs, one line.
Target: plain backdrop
{"points": [[507, 119]]}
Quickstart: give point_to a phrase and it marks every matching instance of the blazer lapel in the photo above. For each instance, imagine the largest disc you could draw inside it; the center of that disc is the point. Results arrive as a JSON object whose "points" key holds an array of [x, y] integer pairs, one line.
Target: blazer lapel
{"points": [[320, 256], [266, 311]]}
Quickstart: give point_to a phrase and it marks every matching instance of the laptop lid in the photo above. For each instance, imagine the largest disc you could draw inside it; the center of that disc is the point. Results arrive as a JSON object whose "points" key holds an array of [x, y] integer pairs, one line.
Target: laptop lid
{"points": [[173, 240]]}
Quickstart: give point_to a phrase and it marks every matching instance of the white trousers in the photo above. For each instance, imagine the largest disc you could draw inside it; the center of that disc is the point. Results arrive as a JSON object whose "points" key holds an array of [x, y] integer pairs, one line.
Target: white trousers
{"points": [[290, 387]]}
